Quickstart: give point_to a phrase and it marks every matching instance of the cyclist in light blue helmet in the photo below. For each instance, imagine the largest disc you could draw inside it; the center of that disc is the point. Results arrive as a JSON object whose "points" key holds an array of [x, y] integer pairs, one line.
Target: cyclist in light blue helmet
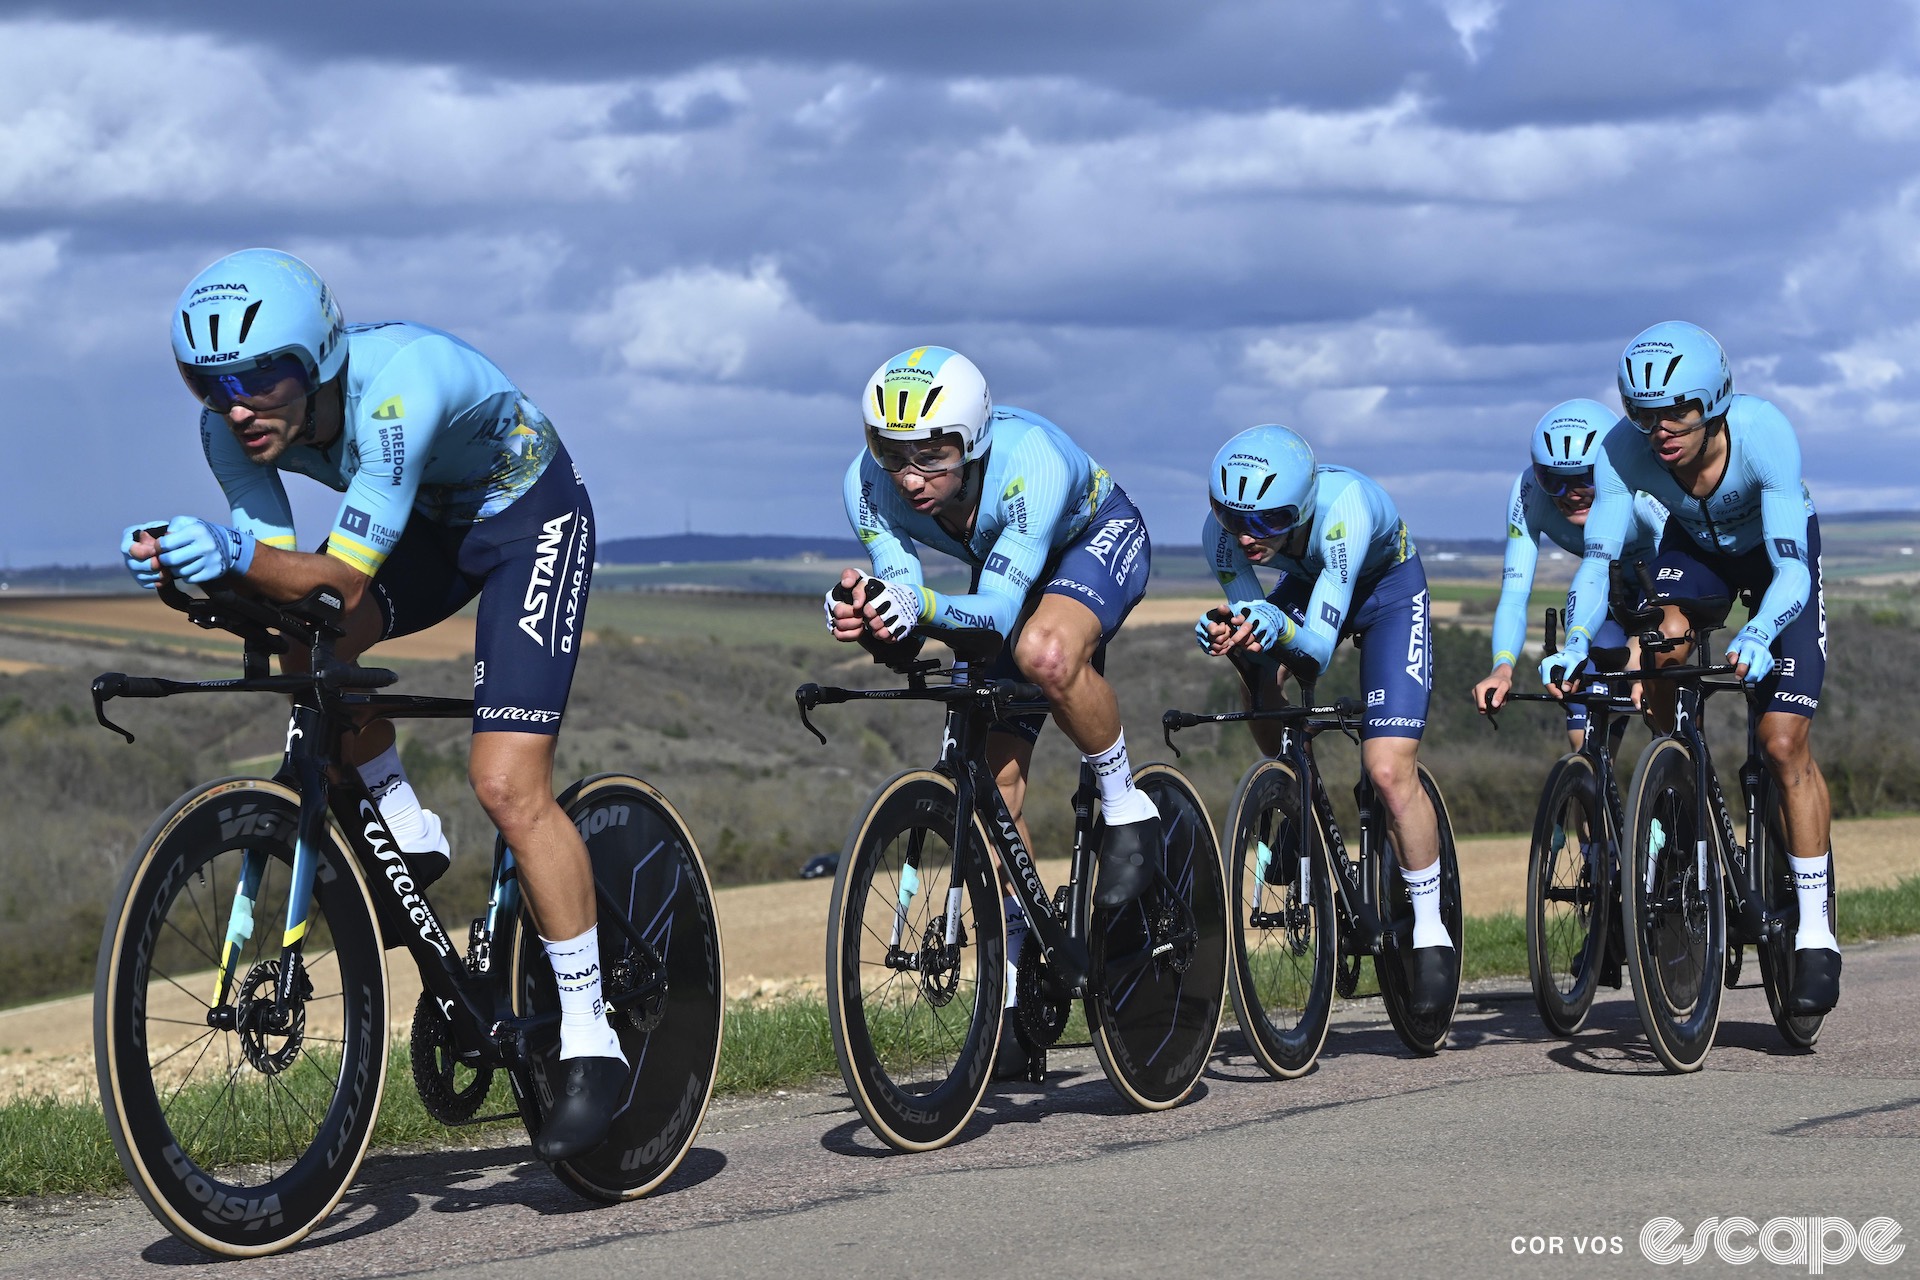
{"points": [[1347, 568], [454, 486], [1727, 468], [1551, 499]]}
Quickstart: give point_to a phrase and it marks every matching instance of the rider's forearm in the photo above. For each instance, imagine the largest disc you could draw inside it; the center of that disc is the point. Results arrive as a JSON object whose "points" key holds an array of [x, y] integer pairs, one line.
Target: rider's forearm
{"points": [[289, 575]]}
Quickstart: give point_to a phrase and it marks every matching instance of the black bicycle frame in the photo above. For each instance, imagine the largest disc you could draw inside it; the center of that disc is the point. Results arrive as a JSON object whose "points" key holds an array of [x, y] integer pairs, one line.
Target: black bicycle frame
{"points": [[323, 711], [1354, 890]]}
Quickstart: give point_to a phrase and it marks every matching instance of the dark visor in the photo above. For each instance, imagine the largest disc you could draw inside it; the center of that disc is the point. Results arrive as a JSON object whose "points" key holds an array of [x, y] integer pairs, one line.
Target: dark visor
{"points": [[1558, 484], [1271, 523], [219, 389], [1648, 417]]}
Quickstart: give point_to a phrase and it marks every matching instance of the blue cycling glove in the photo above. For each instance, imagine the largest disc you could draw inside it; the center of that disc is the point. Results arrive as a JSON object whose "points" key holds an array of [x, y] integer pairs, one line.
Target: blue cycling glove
{"points": [[145, 572], [1558, 668], [1270, 626], [1752, 648], [197, 551]]}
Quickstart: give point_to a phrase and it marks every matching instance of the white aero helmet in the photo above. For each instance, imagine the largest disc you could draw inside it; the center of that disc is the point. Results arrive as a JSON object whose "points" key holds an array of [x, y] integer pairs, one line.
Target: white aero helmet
{"points": [[926, 392]]}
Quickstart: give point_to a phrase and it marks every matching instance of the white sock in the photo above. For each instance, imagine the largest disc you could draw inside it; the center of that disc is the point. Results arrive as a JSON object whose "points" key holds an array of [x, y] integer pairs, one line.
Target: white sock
{"points": [[417, 830], [1120, 801], [584, 1030], [1016, 943], [1810, 878], [1424, 888]]}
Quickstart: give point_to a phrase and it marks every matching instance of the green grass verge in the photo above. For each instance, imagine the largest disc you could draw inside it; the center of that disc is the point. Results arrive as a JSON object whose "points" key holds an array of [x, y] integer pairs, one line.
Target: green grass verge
{"points": [[61, 1148]]}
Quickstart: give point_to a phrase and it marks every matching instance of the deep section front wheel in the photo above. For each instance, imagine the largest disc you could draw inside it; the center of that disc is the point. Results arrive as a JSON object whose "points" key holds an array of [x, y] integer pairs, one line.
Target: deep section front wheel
{"points": [[1283, 936], [664, 993], [1569, 873], [1159, 963], [916, 964], [241, 1121], [1423, 1035], [1777, 956], [1673, 904]]}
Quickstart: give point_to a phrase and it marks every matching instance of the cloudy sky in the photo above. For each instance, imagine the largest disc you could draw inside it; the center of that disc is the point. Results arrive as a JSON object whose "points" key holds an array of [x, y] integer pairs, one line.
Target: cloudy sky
{"points": [[690, 231]]}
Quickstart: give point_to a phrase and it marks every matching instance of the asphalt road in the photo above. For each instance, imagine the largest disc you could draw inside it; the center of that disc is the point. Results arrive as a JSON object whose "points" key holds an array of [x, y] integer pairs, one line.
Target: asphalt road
{"points": [[1376, 1164]]}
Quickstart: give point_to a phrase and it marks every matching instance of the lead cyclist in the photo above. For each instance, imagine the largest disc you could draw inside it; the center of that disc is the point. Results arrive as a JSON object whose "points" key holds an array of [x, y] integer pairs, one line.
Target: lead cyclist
{"points": [[1727, 468], [455, 485]]}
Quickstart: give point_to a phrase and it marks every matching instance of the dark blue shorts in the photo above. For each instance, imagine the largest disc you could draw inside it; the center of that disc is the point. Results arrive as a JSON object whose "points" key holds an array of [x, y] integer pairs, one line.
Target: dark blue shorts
{"points": [[531, 566], [1391, 624], [1610, 636], [1105, 569], [1683, 570]]}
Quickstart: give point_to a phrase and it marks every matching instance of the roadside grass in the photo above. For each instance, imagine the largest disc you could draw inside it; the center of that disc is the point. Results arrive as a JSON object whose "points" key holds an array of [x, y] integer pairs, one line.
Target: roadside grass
{"points": [[61, 1148]]}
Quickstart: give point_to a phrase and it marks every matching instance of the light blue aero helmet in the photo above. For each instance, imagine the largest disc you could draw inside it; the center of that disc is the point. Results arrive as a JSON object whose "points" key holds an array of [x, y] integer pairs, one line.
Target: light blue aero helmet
{"points": [[1262, 483], [252, 320], [1669, 364], [1566, 441], [923, 393]]}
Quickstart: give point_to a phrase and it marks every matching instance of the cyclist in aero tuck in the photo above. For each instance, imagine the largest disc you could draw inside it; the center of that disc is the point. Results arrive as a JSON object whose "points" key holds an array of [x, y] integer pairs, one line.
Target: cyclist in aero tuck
{"points": [[1060, 556], [1553, 498], [1347, 568], [455, 485], [1727, 468]]}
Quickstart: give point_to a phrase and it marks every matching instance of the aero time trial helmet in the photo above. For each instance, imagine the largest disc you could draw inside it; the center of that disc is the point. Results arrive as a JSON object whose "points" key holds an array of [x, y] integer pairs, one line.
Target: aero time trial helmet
{"points": [[1262, 483], [1671, 367], [923, 393], [1566, 442], [252, 320]]}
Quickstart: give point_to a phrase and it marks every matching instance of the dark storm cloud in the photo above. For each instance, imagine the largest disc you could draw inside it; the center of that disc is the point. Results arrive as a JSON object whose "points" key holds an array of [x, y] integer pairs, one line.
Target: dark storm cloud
{"points": [[1407, 228]]}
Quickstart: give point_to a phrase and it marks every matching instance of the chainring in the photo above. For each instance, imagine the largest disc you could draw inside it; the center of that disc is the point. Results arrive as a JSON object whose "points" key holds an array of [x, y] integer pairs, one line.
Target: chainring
{"points": [[1346, 973], [1041, 1020], [254, 1018], [436, 1071]]}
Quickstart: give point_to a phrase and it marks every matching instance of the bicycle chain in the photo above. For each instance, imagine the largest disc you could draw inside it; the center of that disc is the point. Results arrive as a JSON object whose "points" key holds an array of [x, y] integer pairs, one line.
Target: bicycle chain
{"points": [[434, 1065]]}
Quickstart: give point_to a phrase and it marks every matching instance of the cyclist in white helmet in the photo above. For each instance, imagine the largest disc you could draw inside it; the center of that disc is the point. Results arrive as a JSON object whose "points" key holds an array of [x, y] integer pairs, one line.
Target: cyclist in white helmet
{"points": [[1060, 556]]}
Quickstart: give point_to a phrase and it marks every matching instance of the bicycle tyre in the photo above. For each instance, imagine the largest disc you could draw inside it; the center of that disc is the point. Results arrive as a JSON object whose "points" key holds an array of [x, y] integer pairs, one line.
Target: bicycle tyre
{"points": [[1154, 1021], [1424, 1036], [915, 1074], [646, 862], [1675, 927], [1567, 895], [1777, 956], [1282, 972], [188, 1109]]}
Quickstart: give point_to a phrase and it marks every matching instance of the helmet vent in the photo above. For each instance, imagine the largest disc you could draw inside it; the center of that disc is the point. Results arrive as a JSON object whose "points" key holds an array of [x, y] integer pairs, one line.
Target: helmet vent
{"points": [[1265, 485], [186, 322], [901, 415], [1589, 444], [1242, 495], [246, 321], [926, 406], [1671, 366], [213, 331], [880, 399]]}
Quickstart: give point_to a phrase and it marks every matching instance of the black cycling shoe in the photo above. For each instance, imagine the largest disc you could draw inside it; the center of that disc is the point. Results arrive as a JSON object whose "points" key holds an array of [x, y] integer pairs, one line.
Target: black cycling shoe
{"points": [[1015, 1059], [1433, 980], [1128, 852], [582, 1113], [426, 867], [1816, 982]]}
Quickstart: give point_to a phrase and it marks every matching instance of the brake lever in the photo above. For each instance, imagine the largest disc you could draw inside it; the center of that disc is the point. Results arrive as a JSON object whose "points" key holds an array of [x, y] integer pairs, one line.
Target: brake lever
{"points": [[1493, 712], [807, 697], [105, 688]]}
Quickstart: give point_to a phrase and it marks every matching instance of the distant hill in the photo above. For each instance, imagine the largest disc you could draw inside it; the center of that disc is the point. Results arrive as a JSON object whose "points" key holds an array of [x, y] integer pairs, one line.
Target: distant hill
{"points": [[707, 548]]}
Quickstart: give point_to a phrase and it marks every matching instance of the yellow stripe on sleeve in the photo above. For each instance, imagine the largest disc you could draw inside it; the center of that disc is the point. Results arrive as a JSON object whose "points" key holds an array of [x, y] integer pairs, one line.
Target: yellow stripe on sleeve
{"points": [[358, 554]]}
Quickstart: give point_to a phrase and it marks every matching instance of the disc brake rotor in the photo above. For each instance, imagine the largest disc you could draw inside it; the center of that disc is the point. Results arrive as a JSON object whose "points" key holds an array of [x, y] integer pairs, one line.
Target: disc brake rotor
{"points": [[271, 1041]]}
